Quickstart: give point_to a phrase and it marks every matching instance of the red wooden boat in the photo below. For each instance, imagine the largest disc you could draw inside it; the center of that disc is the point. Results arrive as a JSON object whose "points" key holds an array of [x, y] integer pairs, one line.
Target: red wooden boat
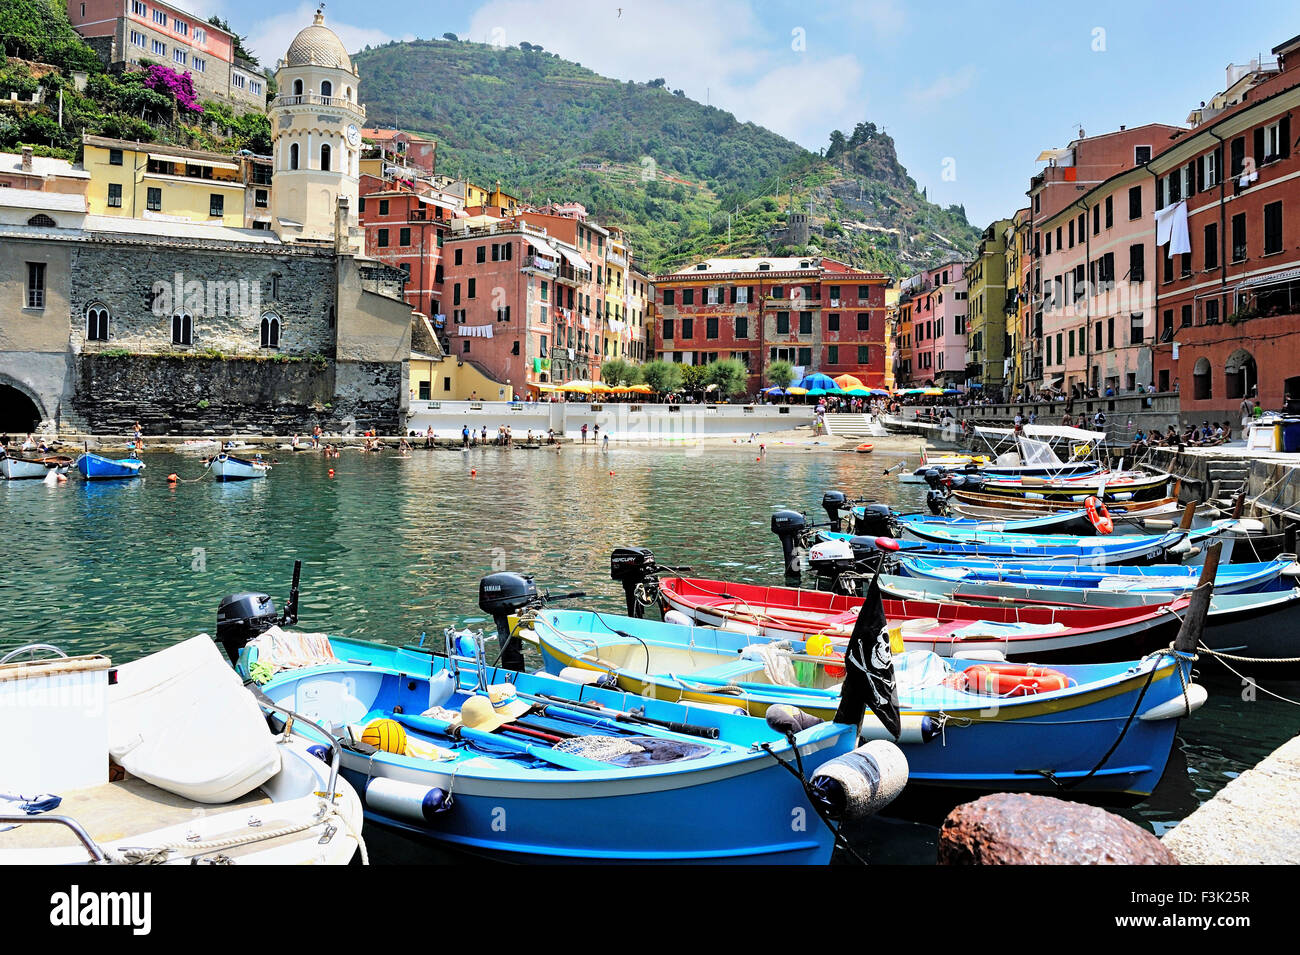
{"points": [[1018, 632]]}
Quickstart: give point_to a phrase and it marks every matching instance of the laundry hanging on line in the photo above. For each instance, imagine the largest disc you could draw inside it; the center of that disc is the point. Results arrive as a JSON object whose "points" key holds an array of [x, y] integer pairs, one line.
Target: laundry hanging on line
{"points": [[1171, 228]]}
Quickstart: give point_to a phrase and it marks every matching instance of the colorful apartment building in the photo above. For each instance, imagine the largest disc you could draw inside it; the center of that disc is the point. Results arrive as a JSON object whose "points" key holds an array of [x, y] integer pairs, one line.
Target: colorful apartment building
{"points": [[986, 333], [125, 32], [398, 154], [144, 181], [1228, 309], [407, 229], [24, 170], [816, 313], [1019, 240], [936, 301]]}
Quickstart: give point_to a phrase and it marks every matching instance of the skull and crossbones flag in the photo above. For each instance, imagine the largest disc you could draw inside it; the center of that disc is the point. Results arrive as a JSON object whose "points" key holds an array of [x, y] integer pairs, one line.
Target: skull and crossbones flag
{"points": [[869, 665]]}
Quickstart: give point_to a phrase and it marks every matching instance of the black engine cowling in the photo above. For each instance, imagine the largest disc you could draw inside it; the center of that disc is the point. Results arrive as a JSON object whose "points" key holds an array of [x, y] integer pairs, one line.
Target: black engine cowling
{"points": [[241, 617], [874, 520], [837, 507], [503, 594], [634, 567], [790, 527]]}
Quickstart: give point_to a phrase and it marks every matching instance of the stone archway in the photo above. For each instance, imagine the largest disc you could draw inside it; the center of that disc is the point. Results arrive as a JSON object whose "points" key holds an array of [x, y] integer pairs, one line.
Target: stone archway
{"points": [[1240, 375], [20, 408]]}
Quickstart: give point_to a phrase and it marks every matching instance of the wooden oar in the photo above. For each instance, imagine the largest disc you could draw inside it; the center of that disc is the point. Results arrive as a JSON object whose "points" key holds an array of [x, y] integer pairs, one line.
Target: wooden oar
{"points": [[687, 729]]}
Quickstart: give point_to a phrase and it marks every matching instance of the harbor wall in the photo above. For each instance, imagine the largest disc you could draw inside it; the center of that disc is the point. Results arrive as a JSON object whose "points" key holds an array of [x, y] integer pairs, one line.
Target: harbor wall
{"points": [[621, 421], [170, 394], [1125, 414]]}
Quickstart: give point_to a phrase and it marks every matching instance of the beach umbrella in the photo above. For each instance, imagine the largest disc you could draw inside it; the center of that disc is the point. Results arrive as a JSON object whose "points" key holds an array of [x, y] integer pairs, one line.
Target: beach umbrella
{"points": [[848, 382], [879, 393], [577, 385], [952, 391], [817, 380], [858, 393], [774, 390], [642, 389], [932, 391], [796, 391]]}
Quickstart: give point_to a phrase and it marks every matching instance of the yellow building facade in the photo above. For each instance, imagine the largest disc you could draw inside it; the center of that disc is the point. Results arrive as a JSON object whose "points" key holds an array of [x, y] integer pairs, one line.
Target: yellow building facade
{"points": [[447, 378], [141, 181]]}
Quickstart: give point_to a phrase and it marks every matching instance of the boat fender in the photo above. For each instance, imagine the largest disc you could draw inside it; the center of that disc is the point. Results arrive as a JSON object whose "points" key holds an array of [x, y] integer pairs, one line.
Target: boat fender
{"points": [[987, 656], [789, 720], [914, 729], [738, 626], [886, 543], [1246, 526], [1291, 570], [580, 676], [677, 617], [320, 752], [860, 783], [408, 801], [1178, 707], [1157, 524]]}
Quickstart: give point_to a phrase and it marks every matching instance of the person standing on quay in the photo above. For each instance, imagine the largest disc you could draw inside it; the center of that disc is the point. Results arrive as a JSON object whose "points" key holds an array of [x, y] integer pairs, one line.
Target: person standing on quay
{"points": [[584, 434]]}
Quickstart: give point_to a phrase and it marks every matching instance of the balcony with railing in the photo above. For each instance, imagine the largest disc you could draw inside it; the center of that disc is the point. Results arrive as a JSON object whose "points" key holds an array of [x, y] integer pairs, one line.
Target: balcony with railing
{"points": [[315, 99]]}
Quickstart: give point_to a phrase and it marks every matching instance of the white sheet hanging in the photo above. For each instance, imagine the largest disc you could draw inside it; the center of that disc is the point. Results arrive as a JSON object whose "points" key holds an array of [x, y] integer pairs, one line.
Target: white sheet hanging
{"points": [[1171, 228], [474, 331]]}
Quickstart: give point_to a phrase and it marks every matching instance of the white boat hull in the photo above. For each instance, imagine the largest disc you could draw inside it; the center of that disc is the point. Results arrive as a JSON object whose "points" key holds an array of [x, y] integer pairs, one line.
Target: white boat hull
{"points": [[15, 469], [226, 468]]}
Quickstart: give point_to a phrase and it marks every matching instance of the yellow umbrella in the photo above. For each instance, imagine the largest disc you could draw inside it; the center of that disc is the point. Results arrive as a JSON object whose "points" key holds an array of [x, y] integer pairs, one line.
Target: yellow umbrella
{"points": [[796, 391], [603, 388], [583, 387], [642, 389], [932, 391], [848, 382], [548, 387]]}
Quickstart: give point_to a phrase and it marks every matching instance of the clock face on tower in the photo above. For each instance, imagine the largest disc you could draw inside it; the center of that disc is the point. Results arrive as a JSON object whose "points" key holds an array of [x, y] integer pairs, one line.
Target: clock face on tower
{"points": [[354, 136]]}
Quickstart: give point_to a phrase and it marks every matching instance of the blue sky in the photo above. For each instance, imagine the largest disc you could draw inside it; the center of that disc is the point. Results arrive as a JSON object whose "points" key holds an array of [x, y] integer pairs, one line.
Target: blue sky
{"points": [[971, 92]]}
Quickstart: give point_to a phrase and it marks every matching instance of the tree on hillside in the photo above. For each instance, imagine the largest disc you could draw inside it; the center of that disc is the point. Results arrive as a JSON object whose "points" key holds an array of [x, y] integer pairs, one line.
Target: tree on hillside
{"points": [[780, 373], [452, 37], [837, 145]]}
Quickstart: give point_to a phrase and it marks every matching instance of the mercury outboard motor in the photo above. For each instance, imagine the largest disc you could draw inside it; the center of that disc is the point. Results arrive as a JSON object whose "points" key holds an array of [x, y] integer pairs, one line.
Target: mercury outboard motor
{"points": [[241, 617], [790, 527], [837, 507], [499, 596], [875, 520], [636, 570]]}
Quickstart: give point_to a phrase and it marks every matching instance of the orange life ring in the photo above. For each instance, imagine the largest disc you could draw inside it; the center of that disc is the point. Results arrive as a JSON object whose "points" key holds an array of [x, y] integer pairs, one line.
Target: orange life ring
{"points": [[1013, 679], [1099, 516], [864, 448]]}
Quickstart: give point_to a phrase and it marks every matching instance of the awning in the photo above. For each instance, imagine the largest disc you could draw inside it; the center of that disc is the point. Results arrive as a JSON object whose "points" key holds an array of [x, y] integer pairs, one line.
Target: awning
{"points": [[166, 157], [540, 247], [574, 259], [1287, 275]]}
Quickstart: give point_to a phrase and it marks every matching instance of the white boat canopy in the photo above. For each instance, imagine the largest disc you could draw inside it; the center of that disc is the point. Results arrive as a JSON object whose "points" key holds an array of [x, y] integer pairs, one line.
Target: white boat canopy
{"points": [[1048, 431]]}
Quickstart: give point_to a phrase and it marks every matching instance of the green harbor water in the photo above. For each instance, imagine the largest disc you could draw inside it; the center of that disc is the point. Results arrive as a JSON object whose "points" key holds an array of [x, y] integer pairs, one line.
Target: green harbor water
{"points": [[393, 547]]}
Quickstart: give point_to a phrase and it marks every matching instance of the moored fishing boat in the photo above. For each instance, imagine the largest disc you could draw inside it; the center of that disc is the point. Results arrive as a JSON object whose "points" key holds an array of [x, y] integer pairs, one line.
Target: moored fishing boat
{"points": [[171, 761], [989, 507], [17, 468], [1128, 486], [227, 467], [94, 467], [947, 628], [1100, 728]]}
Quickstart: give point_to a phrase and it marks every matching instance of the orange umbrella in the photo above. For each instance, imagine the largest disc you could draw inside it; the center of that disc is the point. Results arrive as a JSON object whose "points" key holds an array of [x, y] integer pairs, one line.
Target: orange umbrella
{"points": [[642, 389], [848, 382]]}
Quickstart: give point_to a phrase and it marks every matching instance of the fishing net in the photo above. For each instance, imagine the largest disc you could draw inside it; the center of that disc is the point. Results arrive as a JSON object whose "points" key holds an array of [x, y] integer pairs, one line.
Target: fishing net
{"points": [[631, 750]]}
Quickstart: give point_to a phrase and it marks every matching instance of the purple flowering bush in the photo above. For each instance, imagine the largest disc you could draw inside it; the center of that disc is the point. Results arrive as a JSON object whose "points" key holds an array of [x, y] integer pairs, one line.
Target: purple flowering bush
{"points": [[179, 86]]}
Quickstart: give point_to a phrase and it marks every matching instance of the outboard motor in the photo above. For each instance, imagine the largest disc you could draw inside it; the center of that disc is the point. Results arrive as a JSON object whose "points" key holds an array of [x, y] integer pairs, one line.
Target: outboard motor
{"points": [[932, 476], [241, 617], [876, 520], [830, 561], [975, 480], [636, 570], [837, 507], [937, 502], [790, 527], [503, 594]]}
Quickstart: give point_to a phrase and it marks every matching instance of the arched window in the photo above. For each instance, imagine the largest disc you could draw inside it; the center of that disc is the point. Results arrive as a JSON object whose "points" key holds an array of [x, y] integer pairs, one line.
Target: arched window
{"points": [[270, 331], [326, 88], [1202, 386], [182, 329], [347, 93], [42, 220], [297, 87], [325, 158], [96, 323], [293, 156]]}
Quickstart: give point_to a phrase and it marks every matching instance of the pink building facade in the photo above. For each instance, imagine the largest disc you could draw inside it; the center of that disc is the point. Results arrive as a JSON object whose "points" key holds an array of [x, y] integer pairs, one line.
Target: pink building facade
{"points": [[938, 299]]}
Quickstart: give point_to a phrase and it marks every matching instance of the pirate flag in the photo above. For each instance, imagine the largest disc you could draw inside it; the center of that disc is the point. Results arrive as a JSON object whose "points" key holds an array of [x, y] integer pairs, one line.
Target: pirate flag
{"points": [[869, 665]]}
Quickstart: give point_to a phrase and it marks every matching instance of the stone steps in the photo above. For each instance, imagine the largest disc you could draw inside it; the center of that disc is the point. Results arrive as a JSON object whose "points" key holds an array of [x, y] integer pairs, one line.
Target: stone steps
{"points": [[849, 425]]}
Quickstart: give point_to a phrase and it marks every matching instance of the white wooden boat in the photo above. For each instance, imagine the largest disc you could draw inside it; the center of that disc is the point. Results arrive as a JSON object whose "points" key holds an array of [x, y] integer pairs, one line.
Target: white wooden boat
{"points": [[16, 469], [227, 467], [173, 763]]}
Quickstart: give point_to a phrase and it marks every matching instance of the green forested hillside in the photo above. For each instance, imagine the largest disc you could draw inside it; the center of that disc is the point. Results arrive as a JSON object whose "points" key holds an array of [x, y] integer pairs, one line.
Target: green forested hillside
{"points": [[671, 171]]}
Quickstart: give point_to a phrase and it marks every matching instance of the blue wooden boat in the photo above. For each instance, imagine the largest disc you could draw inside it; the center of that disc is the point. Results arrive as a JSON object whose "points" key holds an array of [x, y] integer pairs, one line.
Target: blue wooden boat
{"points": [[1268, 576], [955, 533], [94, 467], [1090, 551], [1074, 523], [953, 737], [724, 800]]}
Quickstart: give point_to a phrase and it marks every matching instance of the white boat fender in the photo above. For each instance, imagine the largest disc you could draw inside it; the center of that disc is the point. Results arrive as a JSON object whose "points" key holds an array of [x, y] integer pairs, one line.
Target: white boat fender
{"points": [[914, 729], [580, 676], [406, 801], [677, 617], [861, 783], [1157, 524], [737, 626], [1178, 706], [789, 720], [987, 656], [1291, 570]]}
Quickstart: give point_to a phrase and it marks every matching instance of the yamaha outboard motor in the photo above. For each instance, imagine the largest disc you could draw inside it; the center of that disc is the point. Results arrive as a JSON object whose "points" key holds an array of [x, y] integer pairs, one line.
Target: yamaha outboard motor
{"points": [[937, 502], [503, 594], [790, 527], [837, 507], [933, 476], [241, 617], [875, 520], [636, 570]]}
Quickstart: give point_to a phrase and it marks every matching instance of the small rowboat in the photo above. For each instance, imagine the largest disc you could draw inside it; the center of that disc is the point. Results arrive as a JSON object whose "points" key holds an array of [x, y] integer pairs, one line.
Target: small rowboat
{"points": [[20, 468], [227, 467], [1014, 632], [94, 467], [991, 507], [1074, 523], [528, 786], [1107, 486], [1278, 574], [865, 447], [952, 736], [1058, 549]]}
